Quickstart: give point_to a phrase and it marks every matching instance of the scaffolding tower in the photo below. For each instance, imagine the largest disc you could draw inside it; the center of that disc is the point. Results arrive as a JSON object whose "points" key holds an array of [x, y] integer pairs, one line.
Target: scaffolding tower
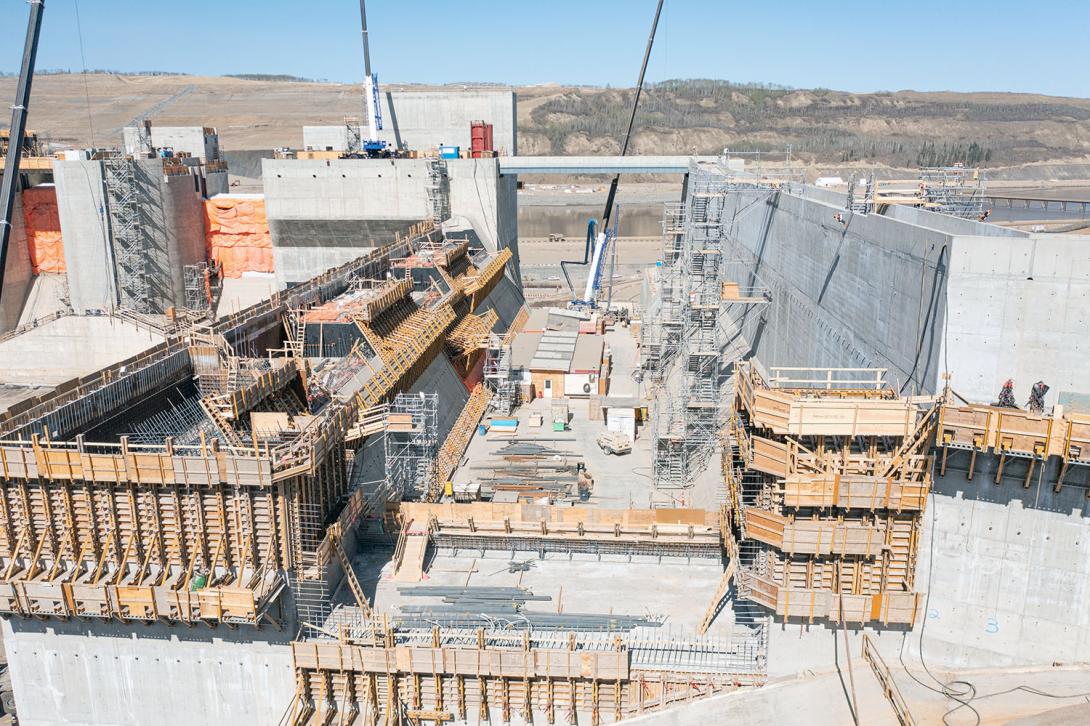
{"points": [[660, 336], [955, 190], [497, 374], [438, 190], [412, 444], [860, 203], [126, 232], [698, 289], [198, 288], [687, 433]]}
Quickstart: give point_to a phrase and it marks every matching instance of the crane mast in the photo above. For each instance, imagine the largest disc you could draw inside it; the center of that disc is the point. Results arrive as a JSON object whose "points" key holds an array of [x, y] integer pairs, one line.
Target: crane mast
{"points": [[372, 145]]}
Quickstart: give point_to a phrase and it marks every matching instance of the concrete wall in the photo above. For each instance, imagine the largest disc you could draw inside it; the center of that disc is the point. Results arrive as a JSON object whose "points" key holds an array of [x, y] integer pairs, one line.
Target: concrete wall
{"points": [[188, 139], [879, 291], [425, 119], [216, 182], [325, 212], [861, 294], [184, 231], [102, 673], [1008, 568], [173, 225], [1019, 308], [18, 272], [85, 229]]}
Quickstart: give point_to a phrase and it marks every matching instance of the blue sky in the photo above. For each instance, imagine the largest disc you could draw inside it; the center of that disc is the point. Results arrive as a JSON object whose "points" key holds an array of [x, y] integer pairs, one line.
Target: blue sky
{"points": [[961, 45]]}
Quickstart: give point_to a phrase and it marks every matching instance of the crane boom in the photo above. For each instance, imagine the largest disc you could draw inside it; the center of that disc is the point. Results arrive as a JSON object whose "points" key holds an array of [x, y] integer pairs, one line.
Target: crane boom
{"points": [[605, 234], [372, 145], [18, 130]]}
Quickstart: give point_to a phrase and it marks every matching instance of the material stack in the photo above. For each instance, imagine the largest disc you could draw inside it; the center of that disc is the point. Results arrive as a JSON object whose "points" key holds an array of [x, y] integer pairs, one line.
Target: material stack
{"points": [[503, 608], [531, 472]]}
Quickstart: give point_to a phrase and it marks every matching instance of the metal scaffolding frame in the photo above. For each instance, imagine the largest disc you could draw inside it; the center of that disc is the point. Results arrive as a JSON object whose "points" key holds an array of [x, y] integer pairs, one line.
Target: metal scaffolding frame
{"points": [[686, 433], [497, 373], [438, 190], [353, 142], [126, 232], [412, 444], [662, 328], [698, 288], [860, 203], [197, 287], [955, 190]]}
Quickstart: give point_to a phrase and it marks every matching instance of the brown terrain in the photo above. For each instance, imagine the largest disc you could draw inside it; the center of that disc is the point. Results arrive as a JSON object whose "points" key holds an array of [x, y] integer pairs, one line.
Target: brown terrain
{"points": [[903, 129]]}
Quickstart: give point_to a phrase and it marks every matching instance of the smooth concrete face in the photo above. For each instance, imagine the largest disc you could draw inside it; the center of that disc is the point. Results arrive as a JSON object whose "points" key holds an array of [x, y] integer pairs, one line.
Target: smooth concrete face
{"points": [[1019, 309], [325, 212], [441, 378], [858, 294], [82, 212], [1004, 570], [101, 673], [18, 272], [877, 291], [423, 120], [70, 347], [182, 139], [216, 182], [1008, 567]]}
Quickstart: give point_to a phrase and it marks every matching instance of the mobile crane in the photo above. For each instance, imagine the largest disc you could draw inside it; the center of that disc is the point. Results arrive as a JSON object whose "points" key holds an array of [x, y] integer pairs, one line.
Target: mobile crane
{"points": [[605, 234], [373, 146]]}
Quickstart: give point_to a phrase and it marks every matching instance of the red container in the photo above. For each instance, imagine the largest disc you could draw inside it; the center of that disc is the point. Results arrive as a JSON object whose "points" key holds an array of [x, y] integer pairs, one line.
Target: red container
{"points": [[476, 138], [480, 138]]}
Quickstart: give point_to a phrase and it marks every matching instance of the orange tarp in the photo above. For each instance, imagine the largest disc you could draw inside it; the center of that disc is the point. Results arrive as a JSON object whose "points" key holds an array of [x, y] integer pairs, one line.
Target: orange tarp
{"points": [[43, 229], [237, 235]]}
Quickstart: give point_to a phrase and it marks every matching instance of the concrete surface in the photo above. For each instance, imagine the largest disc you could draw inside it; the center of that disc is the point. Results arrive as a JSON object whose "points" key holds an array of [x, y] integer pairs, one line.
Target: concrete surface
{"points": [[580, 584], [325, 212], [182, 139], [1018, 308], [172, 224], [239, 293], [423, 120], [84, 226], [70, 347], [48, 294], [913, 292], [103, 673]]}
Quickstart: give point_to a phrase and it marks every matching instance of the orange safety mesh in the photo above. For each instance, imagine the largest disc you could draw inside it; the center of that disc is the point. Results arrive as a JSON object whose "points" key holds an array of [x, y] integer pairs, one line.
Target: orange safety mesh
{"points": [[43, 229], [236, 234]]}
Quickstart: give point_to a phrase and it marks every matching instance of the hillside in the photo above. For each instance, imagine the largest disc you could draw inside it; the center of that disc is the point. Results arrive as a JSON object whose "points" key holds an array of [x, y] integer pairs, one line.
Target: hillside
{"points": [[904, 128]]}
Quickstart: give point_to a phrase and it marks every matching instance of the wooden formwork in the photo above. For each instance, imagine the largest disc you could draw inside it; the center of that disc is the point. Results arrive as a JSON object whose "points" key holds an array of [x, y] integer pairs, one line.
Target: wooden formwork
{"points": [[344, 683], [888, 607], [481, 521], [479, 287], [1007, 432], [186, 533], [829, 478]]}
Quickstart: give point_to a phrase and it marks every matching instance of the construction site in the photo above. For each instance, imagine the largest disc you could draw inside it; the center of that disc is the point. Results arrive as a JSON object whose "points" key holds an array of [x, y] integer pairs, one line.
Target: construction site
{"points": [[307, 456]]}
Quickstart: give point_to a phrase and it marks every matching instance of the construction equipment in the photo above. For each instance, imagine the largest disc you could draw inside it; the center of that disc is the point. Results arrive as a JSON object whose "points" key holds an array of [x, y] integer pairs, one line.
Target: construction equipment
{"points": [[614, 442], [602, 235], [372, 146], [18, 129]]}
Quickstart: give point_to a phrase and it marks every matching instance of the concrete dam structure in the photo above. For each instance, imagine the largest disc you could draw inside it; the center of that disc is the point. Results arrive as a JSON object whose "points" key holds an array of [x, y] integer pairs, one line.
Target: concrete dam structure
{"points": [[303, 454]]}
